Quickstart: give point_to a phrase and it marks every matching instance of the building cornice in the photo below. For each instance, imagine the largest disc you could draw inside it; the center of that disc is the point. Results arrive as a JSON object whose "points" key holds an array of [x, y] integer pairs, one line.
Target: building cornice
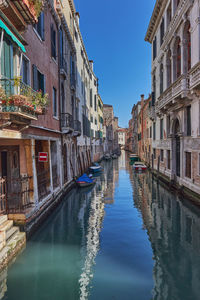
{"points": [[155, 19]]}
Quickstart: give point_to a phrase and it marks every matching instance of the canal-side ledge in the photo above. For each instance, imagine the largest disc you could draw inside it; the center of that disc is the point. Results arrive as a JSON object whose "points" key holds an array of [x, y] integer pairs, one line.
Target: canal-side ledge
{"points": [[181, 190], [30, 224]]}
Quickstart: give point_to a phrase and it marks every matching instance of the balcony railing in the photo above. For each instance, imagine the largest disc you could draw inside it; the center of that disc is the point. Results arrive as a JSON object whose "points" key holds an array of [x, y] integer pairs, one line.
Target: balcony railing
{"points": [[19, 98], [194, 74], [66, 122], [77, 127], [178, 89]]}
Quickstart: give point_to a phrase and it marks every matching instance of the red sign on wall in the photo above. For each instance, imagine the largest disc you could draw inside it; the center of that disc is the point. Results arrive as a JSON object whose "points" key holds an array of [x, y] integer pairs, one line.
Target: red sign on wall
{"points": [[43, 157]]}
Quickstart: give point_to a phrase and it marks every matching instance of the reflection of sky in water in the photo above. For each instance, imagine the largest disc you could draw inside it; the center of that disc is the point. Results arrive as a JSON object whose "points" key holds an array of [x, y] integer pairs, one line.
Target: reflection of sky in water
{"points": [[127, 238]]}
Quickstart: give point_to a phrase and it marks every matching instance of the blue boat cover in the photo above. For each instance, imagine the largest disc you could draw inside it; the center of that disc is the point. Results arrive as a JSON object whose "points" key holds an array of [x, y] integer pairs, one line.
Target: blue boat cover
{"points": [[85, 178]]}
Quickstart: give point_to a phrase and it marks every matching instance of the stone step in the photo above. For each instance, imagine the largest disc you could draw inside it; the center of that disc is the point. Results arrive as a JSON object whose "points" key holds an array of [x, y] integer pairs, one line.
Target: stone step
{"points": [[2, 240], [11, 232], [6, 225], [3, 219], [13, 244], [3, 255]]}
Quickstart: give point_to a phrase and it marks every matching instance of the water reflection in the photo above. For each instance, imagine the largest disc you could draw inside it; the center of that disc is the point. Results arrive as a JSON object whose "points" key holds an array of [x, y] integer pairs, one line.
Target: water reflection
{"points": [[173, 226], [99, 243]]}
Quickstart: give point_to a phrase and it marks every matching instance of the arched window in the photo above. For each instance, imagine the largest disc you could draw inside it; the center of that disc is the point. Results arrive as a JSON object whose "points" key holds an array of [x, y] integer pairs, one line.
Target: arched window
{"points": [[178, 58], [187, 47], [161, 79], [154, 90], [169, 68]]}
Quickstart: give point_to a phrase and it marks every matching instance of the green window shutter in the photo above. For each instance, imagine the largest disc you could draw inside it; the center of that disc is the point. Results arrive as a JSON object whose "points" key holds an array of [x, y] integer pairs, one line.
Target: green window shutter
{"points": [[42, 26]]}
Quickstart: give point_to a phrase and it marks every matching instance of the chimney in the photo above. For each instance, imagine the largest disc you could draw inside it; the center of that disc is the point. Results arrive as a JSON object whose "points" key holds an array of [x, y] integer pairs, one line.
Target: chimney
{"points": [[91, 64], [77, 17], [142, 101]]}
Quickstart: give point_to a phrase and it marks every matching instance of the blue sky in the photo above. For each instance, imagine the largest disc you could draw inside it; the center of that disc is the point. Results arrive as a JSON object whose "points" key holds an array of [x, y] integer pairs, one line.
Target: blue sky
{"points": [[113, 32]]}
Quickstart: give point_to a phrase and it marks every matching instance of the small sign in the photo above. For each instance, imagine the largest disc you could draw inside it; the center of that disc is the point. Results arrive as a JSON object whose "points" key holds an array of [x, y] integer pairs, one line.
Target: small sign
{"points": [[43, 157]]}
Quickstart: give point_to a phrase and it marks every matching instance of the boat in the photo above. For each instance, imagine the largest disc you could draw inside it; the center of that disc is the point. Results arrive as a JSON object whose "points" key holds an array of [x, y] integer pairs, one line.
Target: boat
{"points": [[133, 158], [95, 168], [139, 166], [85, 181]]}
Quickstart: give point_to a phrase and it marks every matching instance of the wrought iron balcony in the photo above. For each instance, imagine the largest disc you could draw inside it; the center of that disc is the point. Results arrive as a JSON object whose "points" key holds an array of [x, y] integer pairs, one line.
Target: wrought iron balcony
{"points": [[67, 124], [19, 102], [77, 128]]}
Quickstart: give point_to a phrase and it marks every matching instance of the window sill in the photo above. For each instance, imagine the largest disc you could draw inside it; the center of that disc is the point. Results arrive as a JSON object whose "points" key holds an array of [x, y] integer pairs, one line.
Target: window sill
{"points": [[37, 34], [56, 118], [54, 60]]}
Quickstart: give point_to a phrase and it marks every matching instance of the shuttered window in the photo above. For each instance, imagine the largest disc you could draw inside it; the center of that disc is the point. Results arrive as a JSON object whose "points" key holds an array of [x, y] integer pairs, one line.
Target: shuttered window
{"points": [[90, 97], [53, 42], [39, 82], [188, 164], [39, 26], [188, 110], [55, 104]]}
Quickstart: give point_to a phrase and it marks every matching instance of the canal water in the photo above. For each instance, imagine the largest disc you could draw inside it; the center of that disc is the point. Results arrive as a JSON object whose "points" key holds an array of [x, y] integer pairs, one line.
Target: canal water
{"points": [[126, 238]]}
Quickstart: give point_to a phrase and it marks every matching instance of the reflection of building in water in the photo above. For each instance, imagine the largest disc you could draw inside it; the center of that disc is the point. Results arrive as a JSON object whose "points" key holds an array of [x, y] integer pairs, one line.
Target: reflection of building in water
{"points": [[111, 174], [92, 242], [173, 226], [122, 160]]}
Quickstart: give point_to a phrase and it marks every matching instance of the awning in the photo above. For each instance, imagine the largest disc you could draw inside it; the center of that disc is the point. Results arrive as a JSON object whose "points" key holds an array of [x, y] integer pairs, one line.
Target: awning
{"points": [[13, 37]]}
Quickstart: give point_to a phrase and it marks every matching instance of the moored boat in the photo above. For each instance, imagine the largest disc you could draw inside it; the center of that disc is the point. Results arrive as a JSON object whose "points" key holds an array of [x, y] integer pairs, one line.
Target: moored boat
{"points": [[139, 166], [85, 181], [95, 168]]}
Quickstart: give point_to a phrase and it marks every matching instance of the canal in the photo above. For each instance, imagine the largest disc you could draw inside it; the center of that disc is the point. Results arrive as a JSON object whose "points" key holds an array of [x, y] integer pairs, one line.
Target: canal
{"points": [[127, 238]]}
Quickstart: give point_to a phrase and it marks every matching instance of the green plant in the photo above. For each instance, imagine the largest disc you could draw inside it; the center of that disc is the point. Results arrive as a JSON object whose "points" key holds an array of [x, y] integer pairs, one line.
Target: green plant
{"points": [[38, 6]]}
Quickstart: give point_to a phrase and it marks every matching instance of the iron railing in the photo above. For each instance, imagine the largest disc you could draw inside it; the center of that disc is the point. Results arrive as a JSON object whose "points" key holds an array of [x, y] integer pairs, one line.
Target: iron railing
{"points": [[15, 194], [66, 120], [17, 87]]}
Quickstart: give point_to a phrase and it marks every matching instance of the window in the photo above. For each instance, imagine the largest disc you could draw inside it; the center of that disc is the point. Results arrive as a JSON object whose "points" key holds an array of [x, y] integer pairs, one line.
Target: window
{"points": [[161, 129], [188, 164], [168, 125], [55, 104], [188, 112], [162, 155], [53, 42], [178, 62], [25, 72], [154, 131], [154, 48], [90, 97], [151, 132], [95, 102], [91, 119], [154, 153], [95, 121], [161, 78], [168, 160], [162, 31], [39, 26], [169, 68], [154, 90], [38, 80]]}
